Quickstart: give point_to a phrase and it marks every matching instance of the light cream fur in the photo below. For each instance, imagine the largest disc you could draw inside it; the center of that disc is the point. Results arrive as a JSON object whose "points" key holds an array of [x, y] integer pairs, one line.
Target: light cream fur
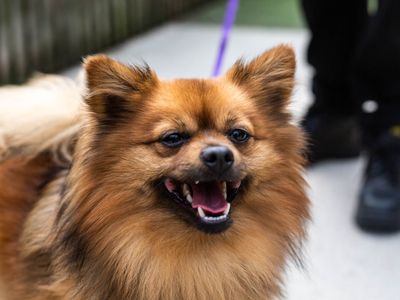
{"points": [[38, 115]]}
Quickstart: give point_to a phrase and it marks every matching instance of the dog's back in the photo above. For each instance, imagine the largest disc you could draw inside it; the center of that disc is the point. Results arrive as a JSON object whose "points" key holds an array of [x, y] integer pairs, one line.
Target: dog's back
{"points": [[38, 123]]}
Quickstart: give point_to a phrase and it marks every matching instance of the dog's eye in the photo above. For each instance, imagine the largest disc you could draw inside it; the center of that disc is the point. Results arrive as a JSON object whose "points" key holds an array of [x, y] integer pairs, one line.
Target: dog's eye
{"points": [[238, 135], [174, 139]]}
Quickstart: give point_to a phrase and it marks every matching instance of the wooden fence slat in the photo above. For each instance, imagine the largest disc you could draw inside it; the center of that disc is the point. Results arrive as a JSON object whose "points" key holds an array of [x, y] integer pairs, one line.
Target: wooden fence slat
{"points": [[18, 59], [73, 30], [107, 24], [47, 31], [47, 35], [32, 33], [119, 19], [5, 59]]}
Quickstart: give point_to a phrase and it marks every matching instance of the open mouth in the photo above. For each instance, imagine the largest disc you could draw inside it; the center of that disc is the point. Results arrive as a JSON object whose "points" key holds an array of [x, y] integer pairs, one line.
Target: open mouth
{"points": [[209, 201]]}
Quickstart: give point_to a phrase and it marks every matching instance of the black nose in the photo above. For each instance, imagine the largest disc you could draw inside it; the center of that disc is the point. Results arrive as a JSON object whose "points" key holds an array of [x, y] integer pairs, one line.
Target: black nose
{"points": [[217, 158]]}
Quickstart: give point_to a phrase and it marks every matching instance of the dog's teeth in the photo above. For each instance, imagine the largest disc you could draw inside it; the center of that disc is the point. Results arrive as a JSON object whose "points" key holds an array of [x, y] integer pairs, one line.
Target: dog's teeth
{"points": [[196, 182], [226, 211], [210, 218], [185, 190], [224, 189], [201, 212], [189, 198]]}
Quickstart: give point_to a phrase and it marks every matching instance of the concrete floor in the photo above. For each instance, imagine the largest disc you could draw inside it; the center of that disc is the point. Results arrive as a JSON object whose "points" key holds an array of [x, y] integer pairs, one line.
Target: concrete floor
{"points": [[342, 263]]}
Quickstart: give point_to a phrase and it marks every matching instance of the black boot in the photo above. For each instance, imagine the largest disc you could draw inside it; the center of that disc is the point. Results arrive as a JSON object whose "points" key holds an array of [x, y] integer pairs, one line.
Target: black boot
{"points": [[379, 201], [331, 136]]}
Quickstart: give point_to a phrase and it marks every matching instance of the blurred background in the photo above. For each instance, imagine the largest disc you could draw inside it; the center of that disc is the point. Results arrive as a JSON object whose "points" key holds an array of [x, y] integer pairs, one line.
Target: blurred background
{"points": [[180, 38]]}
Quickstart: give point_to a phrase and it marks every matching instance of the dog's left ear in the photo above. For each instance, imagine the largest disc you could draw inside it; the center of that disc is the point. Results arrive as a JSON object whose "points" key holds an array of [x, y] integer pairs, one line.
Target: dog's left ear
{"points": [[115, 90], [268, 79]]}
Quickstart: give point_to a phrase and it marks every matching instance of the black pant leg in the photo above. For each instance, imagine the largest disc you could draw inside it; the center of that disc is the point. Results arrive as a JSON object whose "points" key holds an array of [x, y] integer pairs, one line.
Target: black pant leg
{"points": [[377, 69], [336, 27]]}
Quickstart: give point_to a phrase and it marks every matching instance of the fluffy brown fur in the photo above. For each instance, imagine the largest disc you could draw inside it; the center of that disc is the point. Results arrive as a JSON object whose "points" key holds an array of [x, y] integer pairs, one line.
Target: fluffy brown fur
{"points": [[100, 225]]}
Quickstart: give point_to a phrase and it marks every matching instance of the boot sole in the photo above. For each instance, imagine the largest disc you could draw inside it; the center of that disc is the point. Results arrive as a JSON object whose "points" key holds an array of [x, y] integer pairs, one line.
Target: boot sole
{"points": [[378, 222]]}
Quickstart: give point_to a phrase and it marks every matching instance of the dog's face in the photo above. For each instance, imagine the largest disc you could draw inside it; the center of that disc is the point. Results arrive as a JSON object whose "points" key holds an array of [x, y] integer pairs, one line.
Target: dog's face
{"points": [[198, 145]]}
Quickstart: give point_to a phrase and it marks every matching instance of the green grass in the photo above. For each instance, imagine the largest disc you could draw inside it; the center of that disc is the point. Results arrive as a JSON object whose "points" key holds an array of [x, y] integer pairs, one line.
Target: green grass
{"points": [[268, 13]]}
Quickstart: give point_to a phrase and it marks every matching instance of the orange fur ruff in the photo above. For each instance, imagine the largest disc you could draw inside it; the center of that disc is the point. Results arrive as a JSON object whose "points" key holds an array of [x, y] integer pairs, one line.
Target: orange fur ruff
{"points": [[82, 216]]}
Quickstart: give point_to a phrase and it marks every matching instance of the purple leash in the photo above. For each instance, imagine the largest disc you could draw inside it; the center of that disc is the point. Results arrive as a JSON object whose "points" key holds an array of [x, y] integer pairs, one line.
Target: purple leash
{"points": [[230, 15]]}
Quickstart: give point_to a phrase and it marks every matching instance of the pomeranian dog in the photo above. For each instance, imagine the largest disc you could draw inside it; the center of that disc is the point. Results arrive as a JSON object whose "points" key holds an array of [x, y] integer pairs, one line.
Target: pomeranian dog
{"points": [[151, 189]]}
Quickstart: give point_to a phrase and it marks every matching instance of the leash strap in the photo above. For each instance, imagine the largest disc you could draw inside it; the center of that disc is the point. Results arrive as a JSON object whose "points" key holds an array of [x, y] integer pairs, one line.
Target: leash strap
{"points": [[229, 20]]}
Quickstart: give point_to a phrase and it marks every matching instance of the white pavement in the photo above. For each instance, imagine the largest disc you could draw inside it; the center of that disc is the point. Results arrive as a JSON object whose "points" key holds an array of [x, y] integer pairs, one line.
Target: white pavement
{"points": [[342, 263]]}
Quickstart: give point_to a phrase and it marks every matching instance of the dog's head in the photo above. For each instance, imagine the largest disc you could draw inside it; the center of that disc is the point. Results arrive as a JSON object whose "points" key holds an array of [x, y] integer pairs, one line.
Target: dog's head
{"points": [[194, 147], [160, 163]]}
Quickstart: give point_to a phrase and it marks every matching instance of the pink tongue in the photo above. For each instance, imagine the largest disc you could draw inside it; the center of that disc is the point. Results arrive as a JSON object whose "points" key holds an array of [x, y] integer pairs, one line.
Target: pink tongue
{"points": [[208, 196]]}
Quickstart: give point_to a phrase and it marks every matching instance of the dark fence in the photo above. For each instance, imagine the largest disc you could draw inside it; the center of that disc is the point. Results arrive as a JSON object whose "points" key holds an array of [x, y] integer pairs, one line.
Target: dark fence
{"points": [[48, 35]]}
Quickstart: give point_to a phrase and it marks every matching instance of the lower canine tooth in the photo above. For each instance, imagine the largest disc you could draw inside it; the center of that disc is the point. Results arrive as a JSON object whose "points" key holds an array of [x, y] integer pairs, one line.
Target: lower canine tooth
{"points": [[196, 182], [189, 198], [201, 212], [226, 211]]}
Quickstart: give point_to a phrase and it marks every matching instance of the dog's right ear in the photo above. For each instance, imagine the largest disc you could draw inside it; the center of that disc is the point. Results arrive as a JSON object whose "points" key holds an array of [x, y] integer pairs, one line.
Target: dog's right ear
{"points": [[114, 89], [268, 79]]}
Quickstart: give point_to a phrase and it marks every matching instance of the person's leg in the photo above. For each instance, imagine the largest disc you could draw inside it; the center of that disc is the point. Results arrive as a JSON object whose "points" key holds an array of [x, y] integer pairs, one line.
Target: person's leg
{"points": [[336, 27], [331, 122], [377, 70], [377, 78]]}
